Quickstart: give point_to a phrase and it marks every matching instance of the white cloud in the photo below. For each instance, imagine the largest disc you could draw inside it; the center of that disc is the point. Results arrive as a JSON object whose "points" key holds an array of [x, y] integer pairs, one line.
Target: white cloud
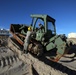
{"points": [[72, 35]]}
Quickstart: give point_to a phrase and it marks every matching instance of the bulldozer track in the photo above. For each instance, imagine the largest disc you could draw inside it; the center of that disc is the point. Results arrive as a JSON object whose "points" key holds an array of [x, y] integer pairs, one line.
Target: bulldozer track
{"points": [[10, 64], [8, 60]]}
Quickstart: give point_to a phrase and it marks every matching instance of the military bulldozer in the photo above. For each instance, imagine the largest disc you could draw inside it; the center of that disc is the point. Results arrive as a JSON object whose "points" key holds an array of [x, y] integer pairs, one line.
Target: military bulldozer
{"points": [[44, 40]]}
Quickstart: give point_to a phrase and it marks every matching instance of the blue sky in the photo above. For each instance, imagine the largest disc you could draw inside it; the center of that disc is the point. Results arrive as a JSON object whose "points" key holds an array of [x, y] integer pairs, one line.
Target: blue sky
{"points": [[19, 11]]}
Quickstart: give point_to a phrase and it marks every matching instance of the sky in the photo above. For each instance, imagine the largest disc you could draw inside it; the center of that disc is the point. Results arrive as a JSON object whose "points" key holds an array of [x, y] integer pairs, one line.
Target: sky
{"points": [[19, 11]]}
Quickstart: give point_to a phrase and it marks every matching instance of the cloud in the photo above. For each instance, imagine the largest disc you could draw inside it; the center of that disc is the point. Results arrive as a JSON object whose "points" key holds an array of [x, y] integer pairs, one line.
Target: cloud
{"points": [[72, 35]]}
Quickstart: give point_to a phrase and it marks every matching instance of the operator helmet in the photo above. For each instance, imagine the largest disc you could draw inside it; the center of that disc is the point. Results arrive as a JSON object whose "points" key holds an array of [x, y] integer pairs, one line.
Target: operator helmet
{"points": [[29, 29]]}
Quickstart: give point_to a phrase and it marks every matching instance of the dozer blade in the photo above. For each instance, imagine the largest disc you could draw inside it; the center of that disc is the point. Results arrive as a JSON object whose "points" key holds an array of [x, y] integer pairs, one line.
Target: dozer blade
{"points": [[14, 45]]}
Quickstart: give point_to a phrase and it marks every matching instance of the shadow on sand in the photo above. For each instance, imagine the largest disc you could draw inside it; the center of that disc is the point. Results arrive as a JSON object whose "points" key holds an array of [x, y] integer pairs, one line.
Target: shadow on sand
{"points": [[59, 66]]}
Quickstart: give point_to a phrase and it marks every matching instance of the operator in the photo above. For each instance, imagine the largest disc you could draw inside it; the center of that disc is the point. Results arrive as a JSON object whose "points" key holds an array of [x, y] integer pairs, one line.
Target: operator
{"points": [[41, 27], [27, 39]]}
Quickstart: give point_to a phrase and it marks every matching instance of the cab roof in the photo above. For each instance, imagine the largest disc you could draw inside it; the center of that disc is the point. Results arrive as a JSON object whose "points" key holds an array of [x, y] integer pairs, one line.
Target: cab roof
{"points": [[43, 16]]}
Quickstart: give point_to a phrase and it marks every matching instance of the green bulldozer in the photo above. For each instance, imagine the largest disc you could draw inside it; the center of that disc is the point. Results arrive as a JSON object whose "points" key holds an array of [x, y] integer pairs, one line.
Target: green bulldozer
{"points": [[45, 38]]}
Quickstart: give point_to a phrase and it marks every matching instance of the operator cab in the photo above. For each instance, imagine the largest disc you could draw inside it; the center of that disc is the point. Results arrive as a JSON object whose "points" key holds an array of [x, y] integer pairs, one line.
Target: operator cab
{"points": [[44, 26]]}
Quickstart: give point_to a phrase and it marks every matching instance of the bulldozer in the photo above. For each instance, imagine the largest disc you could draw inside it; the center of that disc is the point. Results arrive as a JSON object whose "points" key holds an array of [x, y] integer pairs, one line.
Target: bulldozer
{"points": [[44, 40]]}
